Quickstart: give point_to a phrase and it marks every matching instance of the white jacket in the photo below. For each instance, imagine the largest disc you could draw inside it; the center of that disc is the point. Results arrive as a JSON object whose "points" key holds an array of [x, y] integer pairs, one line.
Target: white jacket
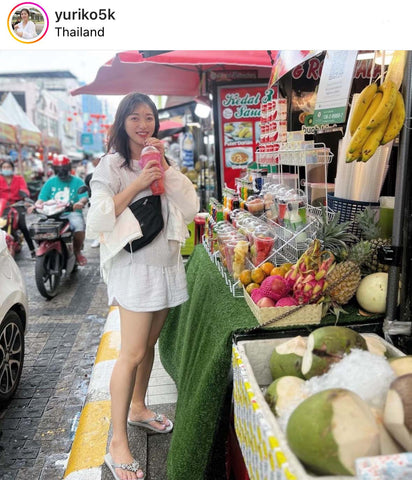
{"points": [[115, 232]]}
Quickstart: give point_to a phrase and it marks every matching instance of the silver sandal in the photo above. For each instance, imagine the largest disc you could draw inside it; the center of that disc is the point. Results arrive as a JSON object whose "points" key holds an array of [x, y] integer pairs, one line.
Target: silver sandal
{"points": [[157, 418], [131, 467]]}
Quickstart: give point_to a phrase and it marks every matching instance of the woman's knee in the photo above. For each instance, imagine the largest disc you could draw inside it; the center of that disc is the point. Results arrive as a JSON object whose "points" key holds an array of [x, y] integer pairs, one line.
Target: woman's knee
{"points": [[133, 359]]}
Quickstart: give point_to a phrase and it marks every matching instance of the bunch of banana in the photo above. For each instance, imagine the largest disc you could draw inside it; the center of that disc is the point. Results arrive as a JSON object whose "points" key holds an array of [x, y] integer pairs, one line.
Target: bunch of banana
{"points": [[377, 119]]}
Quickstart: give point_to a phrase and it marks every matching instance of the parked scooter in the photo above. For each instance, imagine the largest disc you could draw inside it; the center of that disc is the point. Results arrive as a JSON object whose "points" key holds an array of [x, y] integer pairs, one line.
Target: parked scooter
{"points": [[9, 222], [55, 252]]}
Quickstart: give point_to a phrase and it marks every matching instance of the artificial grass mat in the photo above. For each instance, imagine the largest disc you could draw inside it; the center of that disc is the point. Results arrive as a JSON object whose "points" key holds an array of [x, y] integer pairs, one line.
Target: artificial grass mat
{"points": [[195, 349]]}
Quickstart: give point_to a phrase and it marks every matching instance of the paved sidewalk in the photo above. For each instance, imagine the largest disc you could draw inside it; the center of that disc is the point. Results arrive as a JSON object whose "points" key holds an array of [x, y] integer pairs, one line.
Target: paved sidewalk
{"points": [[93, 432]]}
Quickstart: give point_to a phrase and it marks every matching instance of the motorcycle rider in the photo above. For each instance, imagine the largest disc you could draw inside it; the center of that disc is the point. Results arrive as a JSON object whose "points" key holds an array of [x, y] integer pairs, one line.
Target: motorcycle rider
{"points": [[10, 186], [63, 187]]}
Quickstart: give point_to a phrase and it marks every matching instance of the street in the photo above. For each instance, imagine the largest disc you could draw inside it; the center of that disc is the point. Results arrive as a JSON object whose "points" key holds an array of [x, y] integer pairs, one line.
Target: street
{"points": [[38, 426]]}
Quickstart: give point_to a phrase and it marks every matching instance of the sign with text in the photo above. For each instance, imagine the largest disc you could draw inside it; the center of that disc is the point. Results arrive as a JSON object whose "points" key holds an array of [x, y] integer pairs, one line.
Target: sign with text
{"points": [[239, 127], [334, 87]]}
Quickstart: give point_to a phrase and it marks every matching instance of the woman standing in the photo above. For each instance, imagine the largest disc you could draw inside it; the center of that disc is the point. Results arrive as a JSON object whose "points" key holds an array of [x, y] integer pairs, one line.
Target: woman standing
{"points": [[26, 28], [144, 283], [10, 186]]}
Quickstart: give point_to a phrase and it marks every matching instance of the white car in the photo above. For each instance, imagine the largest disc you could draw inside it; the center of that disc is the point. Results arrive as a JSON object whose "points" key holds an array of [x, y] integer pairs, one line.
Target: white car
{"points": [[13, 321]]}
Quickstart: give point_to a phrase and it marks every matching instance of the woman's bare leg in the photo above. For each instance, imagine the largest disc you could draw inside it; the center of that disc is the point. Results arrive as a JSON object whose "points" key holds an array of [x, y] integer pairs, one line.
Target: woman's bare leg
{"points": [[138, 408], [135, 333]]}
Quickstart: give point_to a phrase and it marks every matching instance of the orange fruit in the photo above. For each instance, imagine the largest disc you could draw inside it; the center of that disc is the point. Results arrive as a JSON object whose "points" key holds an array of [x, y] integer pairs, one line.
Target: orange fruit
{"points": [[267, 267], [278, 271], [245, 277], [251, 287], [287, 266], [258, 275]]}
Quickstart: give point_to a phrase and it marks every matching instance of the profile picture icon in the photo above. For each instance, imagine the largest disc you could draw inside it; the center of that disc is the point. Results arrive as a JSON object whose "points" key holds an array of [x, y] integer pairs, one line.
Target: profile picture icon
{"points": [[28, 22]]}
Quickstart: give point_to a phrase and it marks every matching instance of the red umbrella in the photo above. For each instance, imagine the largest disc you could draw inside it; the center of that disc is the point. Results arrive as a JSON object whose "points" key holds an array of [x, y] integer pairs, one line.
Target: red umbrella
{"points": [[177, 72]]}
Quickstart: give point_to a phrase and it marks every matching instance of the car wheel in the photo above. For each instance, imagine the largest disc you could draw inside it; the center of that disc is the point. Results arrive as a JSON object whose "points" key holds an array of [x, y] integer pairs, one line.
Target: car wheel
{"points": [[11, 355]]}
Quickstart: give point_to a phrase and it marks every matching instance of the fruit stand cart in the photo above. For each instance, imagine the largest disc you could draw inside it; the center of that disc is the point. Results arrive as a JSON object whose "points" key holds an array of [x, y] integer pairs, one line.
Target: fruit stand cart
{"points": [[217, 328]]}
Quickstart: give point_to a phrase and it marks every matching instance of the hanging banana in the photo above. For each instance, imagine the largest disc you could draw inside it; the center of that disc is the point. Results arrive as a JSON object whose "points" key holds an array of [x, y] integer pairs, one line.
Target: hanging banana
{"points": [[356, 155], [388, 89], [374, 140], [396, 119], [362, 132], [362, 104]]}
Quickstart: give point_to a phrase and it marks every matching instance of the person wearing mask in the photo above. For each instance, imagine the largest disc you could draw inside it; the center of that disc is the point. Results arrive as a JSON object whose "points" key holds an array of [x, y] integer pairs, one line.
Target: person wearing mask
{"points": [[10, 186], [26, 29], [63, 187], [144, 283]]}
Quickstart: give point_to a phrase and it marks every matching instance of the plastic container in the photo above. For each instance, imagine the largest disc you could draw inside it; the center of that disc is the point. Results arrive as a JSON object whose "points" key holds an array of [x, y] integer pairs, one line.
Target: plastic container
{"points": [[151, 153], [263, 239], [255, 205]]}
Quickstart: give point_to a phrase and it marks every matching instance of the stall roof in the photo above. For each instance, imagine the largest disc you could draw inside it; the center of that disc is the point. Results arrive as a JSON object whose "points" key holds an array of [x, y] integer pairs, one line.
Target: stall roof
{"points": [[17, 115]]}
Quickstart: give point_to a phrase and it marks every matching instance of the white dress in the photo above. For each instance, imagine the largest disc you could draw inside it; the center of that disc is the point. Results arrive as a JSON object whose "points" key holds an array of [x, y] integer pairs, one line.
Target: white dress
{"points": [[152, 278], [29, 30]]}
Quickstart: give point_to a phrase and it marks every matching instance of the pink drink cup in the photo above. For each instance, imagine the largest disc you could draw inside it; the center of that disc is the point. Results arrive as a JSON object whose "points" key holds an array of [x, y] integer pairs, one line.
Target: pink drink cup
{"points": [[151, 153]]}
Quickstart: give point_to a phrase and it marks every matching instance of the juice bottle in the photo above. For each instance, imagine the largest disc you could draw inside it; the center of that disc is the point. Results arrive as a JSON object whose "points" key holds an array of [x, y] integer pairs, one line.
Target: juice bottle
{"points": [[152, 153]]}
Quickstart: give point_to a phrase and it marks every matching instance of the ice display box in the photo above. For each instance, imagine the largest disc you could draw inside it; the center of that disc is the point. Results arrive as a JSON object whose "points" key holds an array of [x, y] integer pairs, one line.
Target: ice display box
{"points": [[263, 443]]}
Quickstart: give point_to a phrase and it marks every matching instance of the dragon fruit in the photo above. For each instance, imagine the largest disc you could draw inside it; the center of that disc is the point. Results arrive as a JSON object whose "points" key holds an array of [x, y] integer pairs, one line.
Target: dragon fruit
{"points": [[274, 287]]}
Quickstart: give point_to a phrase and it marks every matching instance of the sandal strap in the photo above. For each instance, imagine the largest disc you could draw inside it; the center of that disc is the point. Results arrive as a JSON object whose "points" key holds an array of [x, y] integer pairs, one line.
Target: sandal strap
{"points": [[157, 418], [131, 467]]}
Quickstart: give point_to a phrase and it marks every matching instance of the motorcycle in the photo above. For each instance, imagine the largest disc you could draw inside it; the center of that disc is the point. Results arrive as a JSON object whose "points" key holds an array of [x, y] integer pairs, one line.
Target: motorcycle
{"points": [[55, 252], [9, 222]]}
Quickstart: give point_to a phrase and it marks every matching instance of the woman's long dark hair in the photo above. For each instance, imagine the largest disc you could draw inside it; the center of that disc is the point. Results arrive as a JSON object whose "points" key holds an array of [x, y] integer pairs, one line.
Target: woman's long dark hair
{"points": [[118, 139]]}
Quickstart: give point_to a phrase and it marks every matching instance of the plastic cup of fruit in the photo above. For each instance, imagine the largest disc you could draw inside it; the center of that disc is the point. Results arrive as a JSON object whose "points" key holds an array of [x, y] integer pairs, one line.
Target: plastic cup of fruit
{"points": [[255, 205], [263, 243]]}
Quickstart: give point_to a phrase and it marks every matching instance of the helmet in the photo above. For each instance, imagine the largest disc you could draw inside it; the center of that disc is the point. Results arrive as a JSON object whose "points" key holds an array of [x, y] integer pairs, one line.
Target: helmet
{"points": [[62, 167], [60, 161]]}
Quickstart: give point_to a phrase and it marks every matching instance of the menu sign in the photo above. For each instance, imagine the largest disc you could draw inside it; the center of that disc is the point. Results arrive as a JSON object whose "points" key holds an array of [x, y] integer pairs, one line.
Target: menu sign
{"points": [[239, 129]]}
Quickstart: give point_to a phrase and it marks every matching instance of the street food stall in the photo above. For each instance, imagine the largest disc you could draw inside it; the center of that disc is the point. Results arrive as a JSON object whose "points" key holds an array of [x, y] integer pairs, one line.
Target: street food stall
{"points": [[277, 262], [222, 411]]}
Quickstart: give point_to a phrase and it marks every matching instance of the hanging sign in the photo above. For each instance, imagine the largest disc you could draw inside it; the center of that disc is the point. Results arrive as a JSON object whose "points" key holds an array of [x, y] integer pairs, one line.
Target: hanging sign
{"points": [[286, 60], [334, 87]]}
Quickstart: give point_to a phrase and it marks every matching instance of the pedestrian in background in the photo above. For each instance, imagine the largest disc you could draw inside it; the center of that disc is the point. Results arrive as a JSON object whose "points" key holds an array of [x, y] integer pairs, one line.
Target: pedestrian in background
{"points": [[10, 186], [145, 283]]}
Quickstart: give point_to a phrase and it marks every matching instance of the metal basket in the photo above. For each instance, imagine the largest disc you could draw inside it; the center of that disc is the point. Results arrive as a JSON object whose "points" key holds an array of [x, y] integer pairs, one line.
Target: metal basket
{"points": [[45, 230]]}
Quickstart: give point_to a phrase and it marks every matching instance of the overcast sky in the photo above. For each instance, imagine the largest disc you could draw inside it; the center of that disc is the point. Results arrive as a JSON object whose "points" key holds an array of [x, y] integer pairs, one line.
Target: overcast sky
{"points": [[83, 64]]}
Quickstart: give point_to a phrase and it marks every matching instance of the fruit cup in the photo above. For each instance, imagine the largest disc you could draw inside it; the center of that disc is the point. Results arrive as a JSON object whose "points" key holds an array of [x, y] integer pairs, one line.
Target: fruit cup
{"points": [[263, 243], [255, 205]]}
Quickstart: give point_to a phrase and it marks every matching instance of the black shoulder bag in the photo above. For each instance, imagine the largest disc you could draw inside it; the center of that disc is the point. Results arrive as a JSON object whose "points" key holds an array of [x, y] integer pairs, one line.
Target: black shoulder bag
{"points": [[148, 212]]}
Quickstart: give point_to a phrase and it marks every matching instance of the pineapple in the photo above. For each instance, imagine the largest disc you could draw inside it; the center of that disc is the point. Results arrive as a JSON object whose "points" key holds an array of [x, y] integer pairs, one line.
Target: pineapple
{"points": [[334, 236], [371, 232], [344, 279]]}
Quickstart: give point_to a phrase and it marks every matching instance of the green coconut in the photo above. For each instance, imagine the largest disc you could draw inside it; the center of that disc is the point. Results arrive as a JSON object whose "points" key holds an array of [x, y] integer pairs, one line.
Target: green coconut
{"points": [[388, 445], [328, 345], [401, 365], [284, 392], [329, 430], [286, 358]]}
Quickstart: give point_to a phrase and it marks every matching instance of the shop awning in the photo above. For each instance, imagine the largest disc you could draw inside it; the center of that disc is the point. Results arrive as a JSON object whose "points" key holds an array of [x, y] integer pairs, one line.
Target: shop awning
{"points": [[27, 132], [177, 72]]}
